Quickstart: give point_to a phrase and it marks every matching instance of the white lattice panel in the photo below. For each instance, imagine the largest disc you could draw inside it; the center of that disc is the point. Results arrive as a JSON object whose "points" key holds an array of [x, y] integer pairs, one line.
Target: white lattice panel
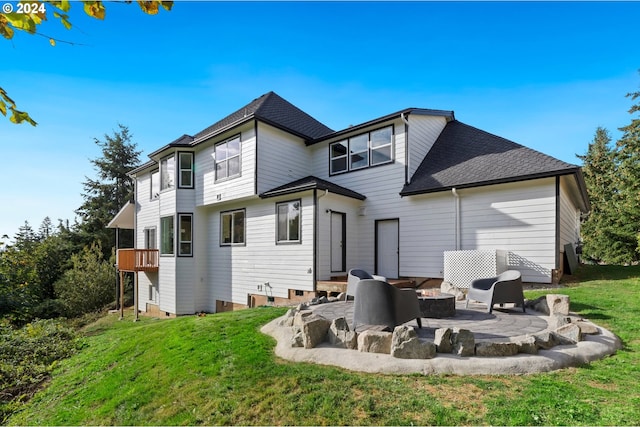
{"points": [[462, 267]]}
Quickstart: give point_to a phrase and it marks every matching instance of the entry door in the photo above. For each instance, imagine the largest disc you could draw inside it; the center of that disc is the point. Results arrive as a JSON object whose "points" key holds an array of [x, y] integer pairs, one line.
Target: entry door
{"points": [[388, 248], [338, 242]]}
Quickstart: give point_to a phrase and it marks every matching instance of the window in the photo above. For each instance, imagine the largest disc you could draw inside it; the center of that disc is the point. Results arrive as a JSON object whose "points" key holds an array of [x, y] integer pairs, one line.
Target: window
{"points": [[166, 235], [185, 167], [185, 240], [362, 151], [150, 241], [167, 172], [381, 146], [155, 185], [232, 228], [288, 222], [339, 156], [359, 151], [227, 158]]}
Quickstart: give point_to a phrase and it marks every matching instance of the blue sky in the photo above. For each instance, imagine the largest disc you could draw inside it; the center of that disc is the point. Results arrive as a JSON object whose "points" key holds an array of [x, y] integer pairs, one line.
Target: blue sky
{"points": [[543, 74]]}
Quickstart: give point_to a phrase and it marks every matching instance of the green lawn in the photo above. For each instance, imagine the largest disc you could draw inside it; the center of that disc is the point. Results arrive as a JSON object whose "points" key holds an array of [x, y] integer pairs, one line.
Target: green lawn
{"points": [[220, 369]]}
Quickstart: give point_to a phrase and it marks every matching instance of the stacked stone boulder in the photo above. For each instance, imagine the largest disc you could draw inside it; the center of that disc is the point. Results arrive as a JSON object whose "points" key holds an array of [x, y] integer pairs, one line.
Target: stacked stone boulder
{"points": [[310, 330]]}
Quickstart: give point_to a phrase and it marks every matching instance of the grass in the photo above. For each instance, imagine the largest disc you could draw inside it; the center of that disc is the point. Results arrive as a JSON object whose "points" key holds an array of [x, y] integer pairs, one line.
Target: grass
{"points": [[220, 370]]}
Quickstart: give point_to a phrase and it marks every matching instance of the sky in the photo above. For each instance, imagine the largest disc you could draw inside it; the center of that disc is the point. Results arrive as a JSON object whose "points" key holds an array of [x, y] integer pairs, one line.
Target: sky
{"points": [[543, 74]]}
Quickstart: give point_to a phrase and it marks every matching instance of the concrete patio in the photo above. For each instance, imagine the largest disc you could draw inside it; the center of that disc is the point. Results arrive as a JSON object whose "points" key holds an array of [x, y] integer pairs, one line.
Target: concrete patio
{"points": [[503, 325]]}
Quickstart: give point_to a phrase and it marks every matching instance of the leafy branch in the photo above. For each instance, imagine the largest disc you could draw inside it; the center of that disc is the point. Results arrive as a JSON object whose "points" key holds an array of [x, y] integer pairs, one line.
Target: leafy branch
{"points": [[34, 13]]}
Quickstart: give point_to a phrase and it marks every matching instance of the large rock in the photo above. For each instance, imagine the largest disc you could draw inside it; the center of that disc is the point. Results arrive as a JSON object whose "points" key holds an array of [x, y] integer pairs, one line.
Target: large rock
{"points": [[527, 345], [448, 288], [290, 316], [405, 344], [314, 330], [496, 349], [297, 339], [539, 304], [463, 342], [300, 316], [340, 335], [558, 304], [571, 332], [587, 328], [545, 339], [442, 340], [374, 342], [556, 320]]}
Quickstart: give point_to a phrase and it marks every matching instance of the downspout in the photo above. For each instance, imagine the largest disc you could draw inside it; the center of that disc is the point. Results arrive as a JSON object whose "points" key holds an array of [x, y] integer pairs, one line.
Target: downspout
{"points": [[457, 217], [406, 148], [316, 228]]}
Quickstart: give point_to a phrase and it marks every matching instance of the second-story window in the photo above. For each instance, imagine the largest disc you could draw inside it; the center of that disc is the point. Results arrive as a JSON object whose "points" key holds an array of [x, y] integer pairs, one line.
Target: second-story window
{"points": [[227, 158], [167, 172], [185, 166], [361, 151], [155, 185]]}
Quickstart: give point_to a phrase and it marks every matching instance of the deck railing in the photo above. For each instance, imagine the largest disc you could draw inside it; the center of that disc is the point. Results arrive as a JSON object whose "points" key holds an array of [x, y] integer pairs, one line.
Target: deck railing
{"points": [[138, 259]]}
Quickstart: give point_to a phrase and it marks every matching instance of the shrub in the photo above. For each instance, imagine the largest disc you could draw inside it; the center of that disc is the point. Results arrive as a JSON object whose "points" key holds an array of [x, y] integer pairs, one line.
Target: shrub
{"points": [[88, 286], [27, 357]]}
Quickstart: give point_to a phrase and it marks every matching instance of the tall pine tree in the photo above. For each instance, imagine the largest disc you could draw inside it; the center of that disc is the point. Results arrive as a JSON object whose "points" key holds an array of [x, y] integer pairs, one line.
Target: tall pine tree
{"points": [[112, 188], [599, 170], [627, 198]]}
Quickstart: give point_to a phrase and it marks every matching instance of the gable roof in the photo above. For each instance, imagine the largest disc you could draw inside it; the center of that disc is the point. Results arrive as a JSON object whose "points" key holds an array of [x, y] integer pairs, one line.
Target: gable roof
{"points": [[464, 156], [274, 110], [311, 183]]}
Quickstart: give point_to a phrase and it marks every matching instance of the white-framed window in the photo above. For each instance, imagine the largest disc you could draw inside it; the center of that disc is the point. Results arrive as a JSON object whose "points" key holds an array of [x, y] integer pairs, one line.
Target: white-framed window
{"points": [[227, 158], [185, 235], [288, 225], [167, 172], [381, 144], [361, 151], [232, 228], [150, 240], [155, 185], [185, 168], [166, 235]]}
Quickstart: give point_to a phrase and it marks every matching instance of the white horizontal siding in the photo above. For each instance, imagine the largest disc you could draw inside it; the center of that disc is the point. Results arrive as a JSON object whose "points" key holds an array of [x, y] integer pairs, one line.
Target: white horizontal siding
{"points": [[326, 204], [282, 158], [569, 218], [167, 284], [208, 191], [185, 285], [146, 217], [516, 217], [236, 271], [423, 132], [427, 229]]}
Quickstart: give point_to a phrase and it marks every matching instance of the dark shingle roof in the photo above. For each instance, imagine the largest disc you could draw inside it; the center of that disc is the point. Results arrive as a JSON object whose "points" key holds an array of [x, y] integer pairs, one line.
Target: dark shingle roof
{"points": [[271, 108], [311, 183], [464, 156]]}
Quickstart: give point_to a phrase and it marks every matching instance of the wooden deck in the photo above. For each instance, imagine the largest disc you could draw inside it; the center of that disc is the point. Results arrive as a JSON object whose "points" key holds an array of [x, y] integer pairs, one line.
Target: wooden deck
{"points": [[137, 260]]}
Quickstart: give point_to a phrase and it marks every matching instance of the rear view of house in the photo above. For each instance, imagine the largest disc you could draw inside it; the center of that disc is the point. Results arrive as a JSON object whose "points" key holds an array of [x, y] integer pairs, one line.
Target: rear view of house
{"points": [[271, 202]]}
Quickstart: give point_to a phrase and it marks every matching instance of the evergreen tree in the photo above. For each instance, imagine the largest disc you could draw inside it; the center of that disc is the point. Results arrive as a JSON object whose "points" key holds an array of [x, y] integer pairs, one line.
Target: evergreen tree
{"points": [[627, 182], [112, 188], [599, 170]]}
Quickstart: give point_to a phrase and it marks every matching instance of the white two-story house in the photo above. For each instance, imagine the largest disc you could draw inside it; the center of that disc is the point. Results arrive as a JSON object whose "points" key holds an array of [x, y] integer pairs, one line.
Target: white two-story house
{"points": [[269, 195]]}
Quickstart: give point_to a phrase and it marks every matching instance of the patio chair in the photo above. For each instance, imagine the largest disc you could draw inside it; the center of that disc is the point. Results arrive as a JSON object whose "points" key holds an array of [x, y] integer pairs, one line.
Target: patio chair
{"points": [[507, 287], [379, 303], [354, 276]]}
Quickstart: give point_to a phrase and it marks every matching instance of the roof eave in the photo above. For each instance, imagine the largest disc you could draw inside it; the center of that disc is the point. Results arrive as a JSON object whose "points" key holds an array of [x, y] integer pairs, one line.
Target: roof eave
{"points": [[530, 177], [419, 111]]}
